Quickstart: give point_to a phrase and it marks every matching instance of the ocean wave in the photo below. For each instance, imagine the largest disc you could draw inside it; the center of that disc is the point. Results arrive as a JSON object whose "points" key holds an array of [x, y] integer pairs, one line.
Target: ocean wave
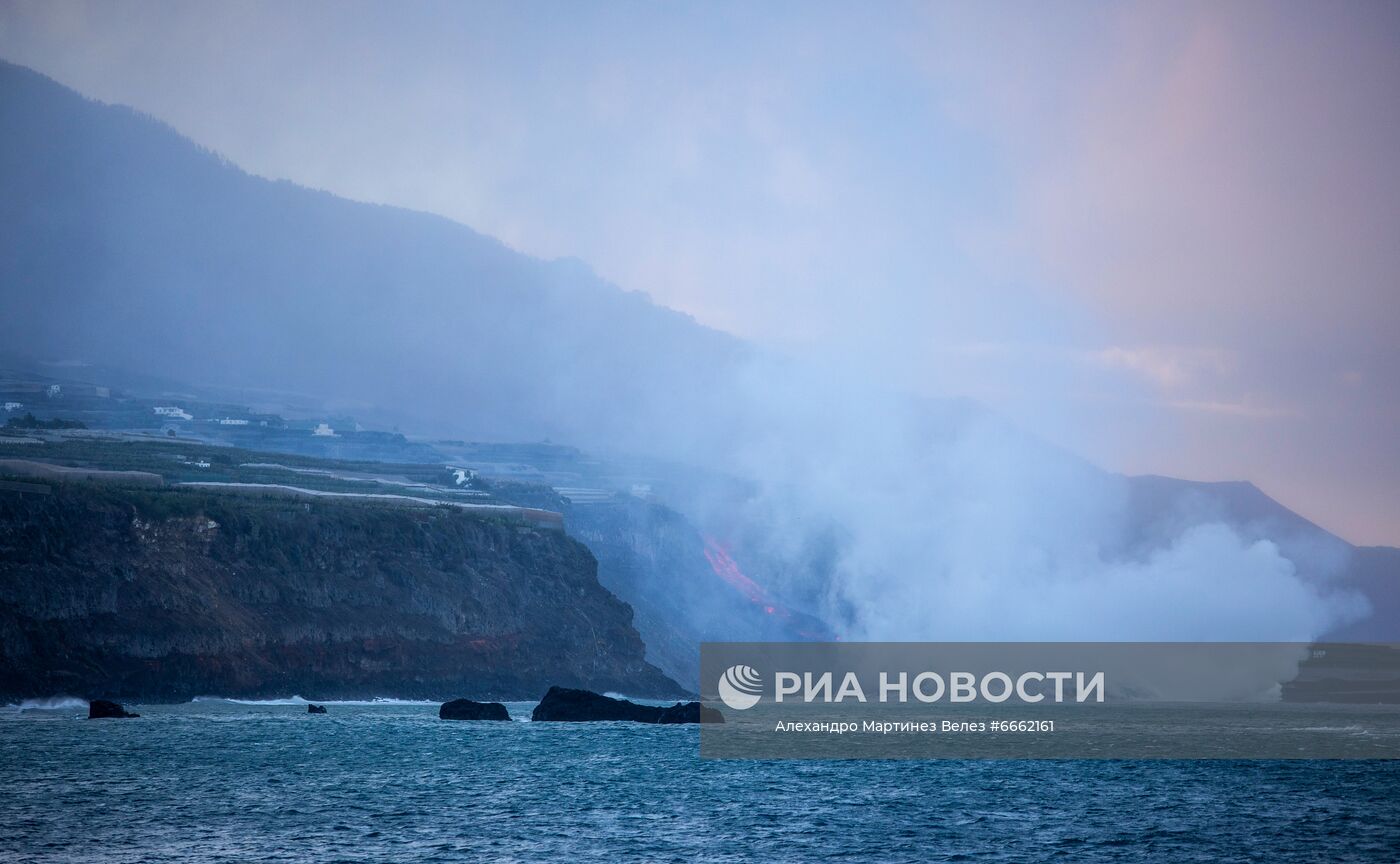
{"points": [[640, 700], [1352, 728], [298, 700], [52, 703]]}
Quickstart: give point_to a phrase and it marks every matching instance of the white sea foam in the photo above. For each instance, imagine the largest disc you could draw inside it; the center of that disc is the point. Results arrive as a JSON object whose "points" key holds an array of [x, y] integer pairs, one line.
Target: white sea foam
{"points": [[52, 703], [640, 700], [298, 700]]}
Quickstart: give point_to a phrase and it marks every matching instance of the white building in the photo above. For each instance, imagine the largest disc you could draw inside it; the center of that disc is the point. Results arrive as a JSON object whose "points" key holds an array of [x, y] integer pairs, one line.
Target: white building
{"points": [[172, 411], [13, 406], [229, 421], [324, 430], [55, 391]]}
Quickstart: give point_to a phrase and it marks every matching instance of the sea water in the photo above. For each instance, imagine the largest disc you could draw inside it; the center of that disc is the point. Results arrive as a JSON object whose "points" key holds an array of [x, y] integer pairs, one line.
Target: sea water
{"points": [[216, 780]]}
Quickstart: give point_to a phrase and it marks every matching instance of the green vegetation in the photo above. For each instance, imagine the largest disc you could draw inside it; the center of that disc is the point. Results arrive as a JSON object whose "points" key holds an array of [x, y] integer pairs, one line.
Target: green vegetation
{"points": [[186, 461], [162, 505]]}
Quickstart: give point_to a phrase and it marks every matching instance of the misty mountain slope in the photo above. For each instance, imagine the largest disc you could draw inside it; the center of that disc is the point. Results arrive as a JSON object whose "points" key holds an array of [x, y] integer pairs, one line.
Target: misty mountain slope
{"points": [[124, 243], [1159, 508], [1375, 571]]}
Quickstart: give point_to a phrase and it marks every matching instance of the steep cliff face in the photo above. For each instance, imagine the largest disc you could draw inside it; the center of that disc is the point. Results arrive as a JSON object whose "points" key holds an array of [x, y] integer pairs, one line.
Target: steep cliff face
{"points": [[173, 594], [660, 563]]}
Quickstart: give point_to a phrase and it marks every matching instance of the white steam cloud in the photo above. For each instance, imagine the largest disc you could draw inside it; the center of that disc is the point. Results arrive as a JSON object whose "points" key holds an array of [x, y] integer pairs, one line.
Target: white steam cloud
{"points": [[949, 524]]}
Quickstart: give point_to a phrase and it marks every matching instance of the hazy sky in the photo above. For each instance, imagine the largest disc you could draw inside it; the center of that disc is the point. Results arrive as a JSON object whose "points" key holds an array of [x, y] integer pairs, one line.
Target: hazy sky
{"points": [[1164, 235]]}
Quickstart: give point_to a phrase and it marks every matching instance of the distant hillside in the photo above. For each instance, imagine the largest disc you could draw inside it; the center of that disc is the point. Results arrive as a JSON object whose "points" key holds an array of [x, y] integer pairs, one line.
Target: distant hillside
{"points": [[1375, 571], [1161, 507], [123, 243], [126, 246]]}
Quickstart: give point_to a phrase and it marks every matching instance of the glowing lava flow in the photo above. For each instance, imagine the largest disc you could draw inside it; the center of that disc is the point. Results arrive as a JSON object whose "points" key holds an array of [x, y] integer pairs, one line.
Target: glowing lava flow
{"points": [[798, 624], [727, 568]]}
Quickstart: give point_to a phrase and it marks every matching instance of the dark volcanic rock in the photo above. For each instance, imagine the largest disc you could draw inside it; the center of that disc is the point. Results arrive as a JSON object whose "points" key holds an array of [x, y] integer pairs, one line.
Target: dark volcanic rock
{"points": [[571, 706], [100, 708], [690, 712], [562, 704], [315, 709], [169, 594], [466, 709]]}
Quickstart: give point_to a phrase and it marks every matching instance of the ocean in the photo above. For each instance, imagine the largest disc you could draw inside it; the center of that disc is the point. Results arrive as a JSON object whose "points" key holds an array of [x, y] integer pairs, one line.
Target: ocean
{"points": [[217, 780]]}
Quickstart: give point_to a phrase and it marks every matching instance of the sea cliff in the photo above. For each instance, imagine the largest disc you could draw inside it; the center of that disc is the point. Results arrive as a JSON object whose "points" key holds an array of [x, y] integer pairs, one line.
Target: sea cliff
{"points": [[168, 594]]}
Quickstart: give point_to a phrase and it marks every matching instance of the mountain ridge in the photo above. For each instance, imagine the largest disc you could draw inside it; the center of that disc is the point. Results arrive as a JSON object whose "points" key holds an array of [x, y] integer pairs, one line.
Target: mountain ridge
{"points": [[249, 280], [126, 243]]}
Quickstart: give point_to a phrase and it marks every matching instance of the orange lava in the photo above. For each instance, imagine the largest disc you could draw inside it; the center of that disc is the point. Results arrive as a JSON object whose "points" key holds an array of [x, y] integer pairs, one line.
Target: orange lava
{"points": [[727, 569]]}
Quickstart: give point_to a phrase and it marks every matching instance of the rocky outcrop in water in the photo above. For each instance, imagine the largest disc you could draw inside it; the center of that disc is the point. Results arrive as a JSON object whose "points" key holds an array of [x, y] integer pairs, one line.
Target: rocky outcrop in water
{"points": [[315, 709], [690, 712], [102, 709], [567, 705], [168, 594], [466, 709]]}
